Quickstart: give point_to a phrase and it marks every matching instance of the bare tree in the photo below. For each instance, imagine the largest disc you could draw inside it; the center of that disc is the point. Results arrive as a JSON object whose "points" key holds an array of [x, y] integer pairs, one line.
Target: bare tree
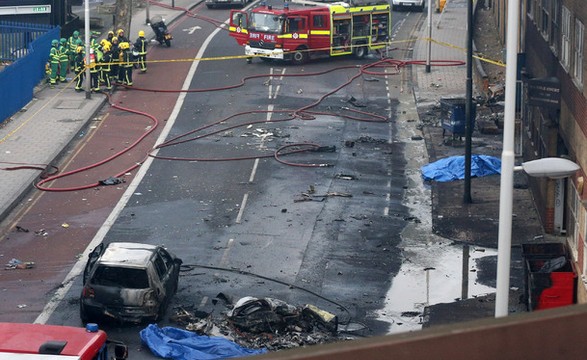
{"points": [[123, 15]]}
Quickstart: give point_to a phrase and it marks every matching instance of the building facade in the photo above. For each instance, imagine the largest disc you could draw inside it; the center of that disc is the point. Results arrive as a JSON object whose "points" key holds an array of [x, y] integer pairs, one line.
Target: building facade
{"points": [[553, 112]]}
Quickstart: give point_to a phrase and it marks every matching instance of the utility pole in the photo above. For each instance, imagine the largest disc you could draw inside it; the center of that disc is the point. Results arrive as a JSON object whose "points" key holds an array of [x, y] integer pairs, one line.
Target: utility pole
{"points": [[469, 105]]}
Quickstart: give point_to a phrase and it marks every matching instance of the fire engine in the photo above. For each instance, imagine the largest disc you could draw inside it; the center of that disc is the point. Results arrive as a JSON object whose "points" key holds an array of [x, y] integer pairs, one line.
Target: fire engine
{"points": [[20, 341], [297, 31]]}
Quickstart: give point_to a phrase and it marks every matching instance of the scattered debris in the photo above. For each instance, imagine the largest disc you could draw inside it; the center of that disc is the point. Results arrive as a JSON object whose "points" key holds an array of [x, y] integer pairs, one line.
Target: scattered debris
{"points": [[371, 79], [345, 177], [354, 102], [112, 181], [65, 225], [309, 197], [21, 229], [15, 264], [21, 306], [264, 323], [369, 139], [41, 232]]}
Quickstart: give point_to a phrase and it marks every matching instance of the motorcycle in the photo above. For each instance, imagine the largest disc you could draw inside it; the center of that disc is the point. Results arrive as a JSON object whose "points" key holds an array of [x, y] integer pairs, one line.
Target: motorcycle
{"points": [[162, 35]]}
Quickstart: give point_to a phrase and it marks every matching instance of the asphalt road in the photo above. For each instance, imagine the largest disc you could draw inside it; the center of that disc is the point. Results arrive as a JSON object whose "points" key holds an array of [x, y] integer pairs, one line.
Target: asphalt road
{"points": [[341, 242]]}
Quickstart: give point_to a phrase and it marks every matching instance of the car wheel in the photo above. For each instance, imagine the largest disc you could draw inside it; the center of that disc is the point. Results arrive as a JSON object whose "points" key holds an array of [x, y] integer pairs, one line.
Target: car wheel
{"points": [[393, 7], [421, 8], [300, 56], [209, 6], [360, 51]]}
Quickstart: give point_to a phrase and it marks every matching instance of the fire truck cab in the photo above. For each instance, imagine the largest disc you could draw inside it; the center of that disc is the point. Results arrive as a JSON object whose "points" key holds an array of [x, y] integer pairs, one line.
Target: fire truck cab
{"points": [[295, 32], [21, 341]]}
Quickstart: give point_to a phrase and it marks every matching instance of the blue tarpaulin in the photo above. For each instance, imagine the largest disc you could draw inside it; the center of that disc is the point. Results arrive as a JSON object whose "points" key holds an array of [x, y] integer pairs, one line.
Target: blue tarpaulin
{"points": [[453, 168], [178, 344]]}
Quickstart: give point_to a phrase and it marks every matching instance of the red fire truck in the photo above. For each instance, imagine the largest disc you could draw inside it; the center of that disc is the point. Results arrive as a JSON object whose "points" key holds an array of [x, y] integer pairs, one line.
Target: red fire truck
{"points": [[296, 31], [20, 341]]}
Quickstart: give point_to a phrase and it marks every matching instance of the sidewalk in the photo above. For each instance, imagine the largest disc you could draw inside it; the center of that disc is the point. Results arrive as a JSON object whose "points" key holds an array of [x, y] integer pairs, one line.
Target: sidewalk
{"points": [[42, 132]]}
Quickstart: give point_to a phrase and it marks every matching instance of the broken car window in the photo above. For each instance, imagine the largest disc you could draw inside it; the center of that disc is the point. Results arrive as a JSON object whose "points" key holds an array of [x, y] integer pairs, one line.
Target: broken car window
{"points": [[121, 277]]}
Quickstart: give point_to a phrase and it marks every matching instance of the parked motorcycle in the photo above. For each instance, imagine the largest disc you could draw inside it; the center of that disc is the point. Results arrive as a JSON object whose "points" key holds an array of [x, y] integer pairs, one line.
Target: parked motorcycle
{"points": [[162, 35]]}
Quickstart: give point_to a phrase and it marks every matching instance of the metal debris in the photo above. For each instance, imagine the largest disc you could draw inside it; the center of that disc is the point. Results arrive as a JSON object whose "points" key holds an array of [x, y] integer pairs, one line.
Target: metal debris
{"points": [[15, 264], [264, 323], [111, 181]]}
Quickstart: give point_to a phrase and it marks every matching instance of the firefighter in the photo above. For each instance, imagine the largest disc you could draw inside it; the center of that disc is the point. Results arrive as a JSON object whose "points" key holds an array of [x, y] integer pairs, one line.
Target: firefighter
{"points": [[105, 68], [126, 64], [79, 68], [110, 36], [54, 59], [115, 52], [72, 43], [141, 47], [63, 59], [94, 71], [103, 43], [120, 36]]}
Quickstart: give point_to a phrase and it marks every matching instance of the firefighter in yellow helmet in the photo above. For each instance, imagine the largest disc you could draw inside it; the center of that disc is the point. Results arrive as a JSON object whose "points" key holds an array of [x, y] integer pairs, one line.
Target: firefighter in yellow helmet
{"points": [[79, 68], [106, 65], [126, 64], [120, 35], [140, 47]]}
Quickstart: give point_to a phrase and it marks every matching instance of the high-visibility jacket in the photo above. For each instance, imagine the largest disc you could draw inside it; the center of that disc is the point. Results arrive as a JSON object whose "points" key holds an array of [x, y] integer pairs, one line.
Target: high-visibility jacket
{"points": [[54, 55], [63, 53], [141, 45]]}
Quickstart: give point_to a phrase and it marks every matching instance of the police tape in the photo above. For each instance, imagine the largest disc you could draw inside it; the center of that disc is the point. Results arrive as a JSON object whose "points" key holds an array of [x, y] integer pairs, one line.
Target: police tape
{"points": [[479, 57]]}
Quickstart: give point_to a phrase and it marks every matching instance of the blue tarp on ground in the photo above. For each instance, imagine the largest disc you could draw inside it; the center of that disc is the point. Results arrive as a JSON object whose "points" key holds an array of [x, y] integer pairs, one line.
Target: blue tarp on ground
{"points": [[178, 344], [453, 168]]}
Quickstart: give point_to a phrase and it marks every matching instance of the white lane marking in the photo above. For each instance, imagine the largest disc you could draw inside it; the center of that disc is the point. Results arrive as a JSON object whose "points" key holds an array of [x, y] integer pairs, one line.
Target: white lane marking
{"points": [[242, 209], [78, 267], [224, 259], [254, 170]]}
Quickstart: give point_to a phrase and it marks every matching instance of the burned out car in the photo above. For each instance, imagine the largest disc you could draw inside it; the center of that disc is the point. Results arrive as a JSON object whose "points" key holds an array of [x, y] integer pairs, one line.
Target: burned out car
{"points": [[128, 282]]}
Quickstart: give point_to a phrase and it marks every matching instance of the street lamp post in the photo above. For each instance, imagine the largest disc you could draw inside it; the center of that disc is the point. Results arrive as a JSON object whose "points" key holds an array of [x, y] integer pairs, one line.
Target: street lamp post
{"points": [[553, 168]]}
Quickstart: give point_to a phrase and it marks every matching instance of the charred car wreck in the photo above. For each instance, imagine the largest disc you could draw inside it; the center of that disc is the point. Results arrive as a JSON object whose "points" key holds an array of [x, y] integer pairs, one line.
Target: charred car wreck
{"points": [[128, 282]]}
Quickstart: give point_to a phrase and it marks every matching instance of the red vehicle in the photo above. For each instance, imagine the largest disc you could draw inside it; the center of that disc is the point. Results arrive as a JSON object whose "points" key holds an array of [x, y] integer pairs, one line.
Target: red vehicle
{"points": [[297, 32], [20, 341]]}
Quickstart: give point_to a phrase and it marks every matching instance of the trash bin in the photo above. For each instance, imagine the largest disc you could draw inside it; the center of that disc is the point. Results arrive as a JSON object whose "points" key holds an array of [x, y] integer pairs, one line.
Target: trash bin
{"points": [[453, 117], [549, 275]]}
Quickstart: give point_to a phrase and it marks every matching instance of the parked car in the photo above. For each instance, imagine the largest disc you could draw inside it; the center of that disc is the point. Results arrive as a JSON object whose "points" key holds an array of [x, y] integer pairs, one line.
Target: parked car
{"points": [[128, 282], [407, 4]]}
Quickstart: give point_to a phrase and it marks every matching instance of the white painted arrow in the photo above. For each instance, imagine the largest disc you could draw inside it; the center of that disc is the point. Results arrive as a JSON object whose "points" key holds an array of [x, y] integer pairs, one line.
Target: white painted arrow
{"points": [[192, 29]]}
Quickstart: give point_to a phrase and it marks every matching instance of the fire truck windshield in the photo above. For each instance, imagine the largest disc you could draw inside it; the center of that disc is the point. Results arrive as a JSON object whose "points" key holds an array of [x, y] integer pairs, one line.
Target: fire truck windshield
{"points": [[266, 23]]}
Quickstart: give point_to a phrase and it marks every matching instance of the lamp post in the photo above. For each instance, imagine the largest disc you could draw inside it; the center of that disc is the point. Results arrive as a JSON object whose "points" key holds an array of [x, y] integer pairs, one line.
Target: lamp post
{"points": [[87, 48], [554, 168]]}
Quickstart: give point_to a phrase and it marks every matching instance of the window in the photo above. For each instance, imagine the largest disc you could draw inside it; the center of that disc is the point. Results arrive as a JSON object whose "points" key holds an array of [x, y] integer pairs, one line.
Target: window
{"points": [[530, 9], [160, 267], [555, 27], [121, 277], [578, 54], [545, 18], [319, 21], [565, 37]]}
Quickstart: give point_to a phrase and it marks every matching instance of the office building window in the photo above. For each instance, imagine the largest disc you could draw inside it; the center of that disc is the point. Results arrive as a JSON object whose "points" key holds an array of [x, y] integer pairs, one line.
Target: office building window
{"points": [[578, 53], [565, 37]]}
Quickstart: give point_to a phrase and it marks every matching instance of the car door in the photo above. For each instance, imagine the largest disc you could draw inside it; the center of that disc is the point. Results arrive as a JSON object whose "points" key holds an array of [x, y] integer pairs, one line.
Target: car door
{"points": [[238, 26], [92, 258], [171, 272]]}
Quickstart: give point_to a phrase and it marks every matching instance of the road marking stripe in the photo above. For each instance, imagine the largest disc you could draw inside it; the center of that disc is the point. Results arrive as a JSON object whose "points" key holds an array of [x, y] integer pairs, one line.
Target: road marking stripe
{"points": [[242, 209]]}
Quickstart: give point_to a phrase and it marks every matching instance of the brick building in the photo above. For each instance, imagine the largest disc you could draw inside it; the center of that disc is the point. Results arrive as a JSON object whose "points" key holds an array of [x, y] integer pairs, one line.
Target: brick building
{"points": [[553, 112]]}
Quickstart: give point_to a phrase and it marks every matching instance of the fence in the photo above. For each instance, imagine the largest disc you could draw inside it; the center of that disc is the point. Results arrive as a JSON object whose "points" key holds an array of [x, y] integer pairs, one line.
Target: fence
{"points": [[24, 50]]}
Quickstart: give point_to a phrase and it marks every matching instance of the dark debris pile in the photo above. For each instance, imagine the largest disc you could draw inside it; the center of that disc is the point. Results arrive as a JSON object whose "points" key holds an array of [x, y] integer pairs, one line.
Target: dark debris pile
{"points": [[263, 323]]}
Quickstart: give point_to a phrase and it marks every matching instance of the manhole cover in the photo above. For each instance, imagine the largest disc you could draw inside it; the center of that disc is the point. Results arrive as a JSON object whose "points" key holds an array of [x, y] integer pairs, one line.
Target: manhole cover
{"points": [[69, 104]]}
